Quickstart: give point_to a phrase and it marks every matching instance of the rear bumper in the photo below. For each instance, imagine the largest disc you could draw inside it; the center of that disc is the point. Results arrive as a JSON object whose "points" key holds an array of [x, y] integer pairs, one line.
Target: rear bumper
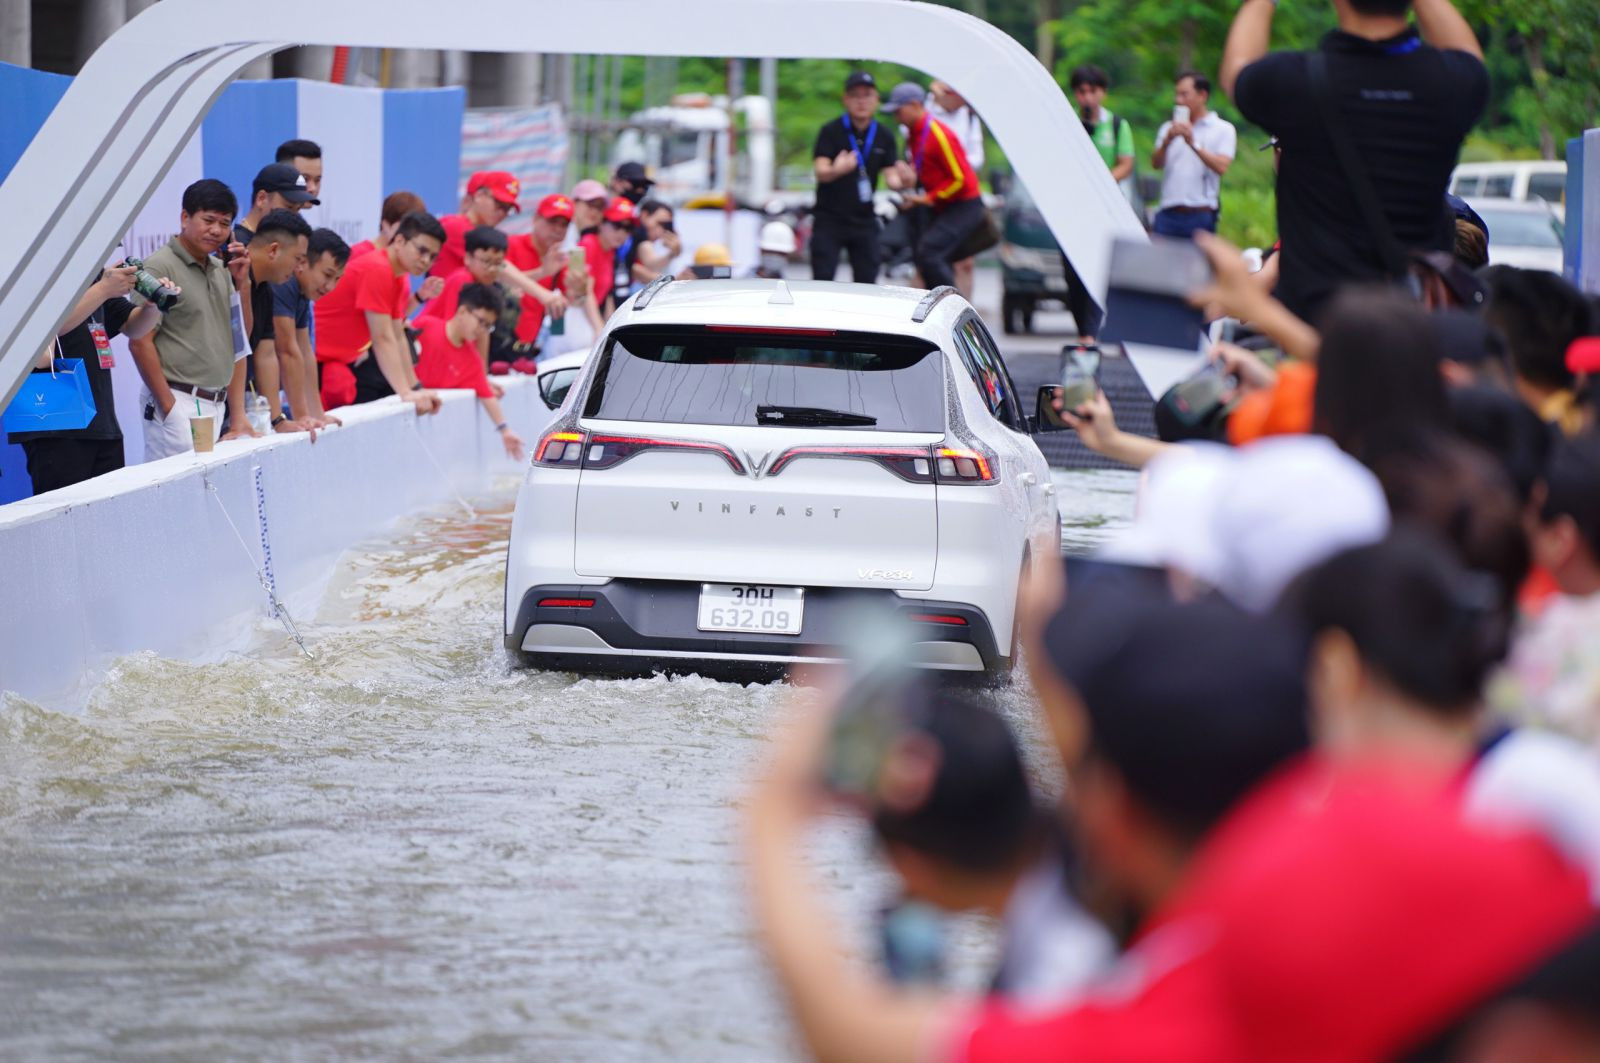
{"points": [[639, 626]]}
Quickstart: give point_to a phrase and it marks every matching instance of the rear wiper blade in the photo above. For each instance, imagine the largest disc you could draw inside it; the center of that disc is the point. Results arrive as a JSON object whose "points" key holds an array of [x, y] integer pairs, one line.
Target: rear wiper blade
{"points": [[810, 415]]}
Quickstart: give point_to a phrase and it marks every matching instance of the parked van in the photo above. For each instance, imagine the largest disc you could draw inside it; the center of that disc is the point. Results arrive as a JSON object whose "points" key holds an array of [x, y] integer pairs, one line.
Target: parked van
{"points": [[1513, 179]]}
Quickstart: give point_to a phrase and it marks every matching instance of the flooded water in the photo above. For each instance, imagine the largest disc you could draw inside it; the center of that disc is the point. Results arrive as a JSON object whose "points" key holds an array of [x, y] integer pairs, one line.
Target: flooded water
{"points": [[403, 849]]}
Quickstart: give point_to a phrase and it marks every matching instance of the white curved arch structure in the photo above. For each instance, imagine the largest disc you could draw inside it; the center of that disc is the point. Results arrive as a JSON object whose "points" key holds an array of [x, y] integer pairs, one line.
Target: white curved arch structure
{"points": [[143, 93]]}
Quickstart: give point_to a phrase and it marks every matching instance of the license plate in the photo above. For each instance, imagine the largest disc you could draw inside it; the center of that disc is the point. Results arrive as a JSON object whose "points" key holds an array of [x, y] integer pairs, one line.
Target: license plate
{"points": [[756, 609]]}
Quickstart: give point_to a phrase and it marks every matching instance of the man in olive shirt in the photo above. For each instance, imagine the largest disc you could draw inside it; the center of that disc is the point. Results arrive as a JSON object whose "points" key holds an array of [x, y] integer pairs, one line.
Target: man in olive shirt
{"points": [[193, 365]]}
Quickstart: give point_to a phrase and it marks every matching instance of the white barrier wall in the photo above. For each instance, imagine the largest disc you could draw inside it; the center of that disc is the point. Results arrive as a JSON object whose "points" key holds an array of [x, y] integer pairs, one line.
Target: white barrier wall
{"points": [[143, 559]]}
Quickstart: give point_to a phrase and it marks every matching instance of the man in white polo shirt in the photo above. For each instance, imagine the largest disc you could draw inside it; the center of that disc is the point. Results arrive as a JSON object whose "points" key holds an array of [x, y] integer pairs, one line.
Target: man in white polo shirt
{"points": [[1193, 154]]}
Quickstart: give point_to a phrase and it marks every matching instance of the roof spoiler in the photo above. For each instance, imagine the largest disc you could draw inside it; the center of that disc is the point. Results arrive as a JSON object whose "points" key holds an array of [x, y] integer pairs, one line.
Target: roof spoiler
{"points": [[648, 292], [929, 301]]}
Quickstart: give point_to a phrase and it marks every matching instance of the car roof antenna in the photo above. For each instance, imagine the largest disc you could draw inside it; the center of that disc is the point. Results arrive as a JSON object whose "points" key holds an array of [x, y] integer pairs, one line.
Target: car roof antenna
{"points": [[781, 296]]}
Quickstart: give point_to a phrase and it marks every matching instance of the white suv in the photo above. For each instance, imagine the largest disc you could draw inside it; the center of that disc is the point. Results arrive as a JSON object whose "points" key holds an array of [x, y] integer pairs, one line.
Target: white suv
{"points": [[743, 464]]}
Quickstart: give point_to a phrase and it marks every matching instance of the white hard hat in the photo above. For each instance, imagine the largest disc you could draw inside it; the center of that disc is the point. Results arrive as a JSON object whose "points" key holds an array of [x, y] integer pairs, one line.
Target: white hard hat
{"points": [[778, 238]]}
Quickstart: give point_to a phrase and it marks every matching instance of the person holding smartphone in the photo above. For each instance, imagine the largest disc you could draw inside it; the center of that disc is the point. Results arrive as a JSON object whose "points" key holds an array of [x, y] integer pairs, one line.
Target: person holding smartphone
{"points": [[1193, 151]]}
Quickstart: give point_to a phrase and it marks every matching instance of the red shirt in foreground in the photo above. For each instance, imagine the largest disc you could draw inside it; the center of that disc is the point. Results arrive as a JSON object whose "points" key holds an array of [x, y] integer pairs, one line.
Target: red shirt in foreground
{"points": [[602, 267], [453, 255], [369, 285], [521, 254], [443, 364], [362, 248], [1340, 912], [941, 162]]}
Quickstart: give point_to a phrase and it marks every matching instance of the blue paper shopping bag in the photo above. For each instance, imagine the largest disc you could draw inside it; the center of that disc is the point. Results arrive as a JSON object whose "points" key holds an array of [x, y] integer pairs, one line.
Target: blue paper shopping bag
{"points": [[58, 401]]}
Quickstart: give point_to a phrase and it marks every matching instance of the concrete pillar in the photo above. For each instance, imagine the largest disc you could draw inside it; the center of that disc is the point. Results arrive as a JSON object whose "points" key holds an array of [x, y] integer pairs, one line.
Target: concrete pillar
{"points": [[414, 68], [258, 70], [453, 68], [497, 79], [16, 32], [314, 62], [101, 18]]}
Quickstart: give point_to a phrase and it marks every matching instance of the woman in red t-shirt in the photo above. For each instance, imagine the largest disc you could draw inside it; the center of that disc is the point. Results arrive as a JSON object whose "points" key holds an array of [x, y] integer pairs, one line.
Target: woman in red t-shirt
{"points": [[600, 251]]}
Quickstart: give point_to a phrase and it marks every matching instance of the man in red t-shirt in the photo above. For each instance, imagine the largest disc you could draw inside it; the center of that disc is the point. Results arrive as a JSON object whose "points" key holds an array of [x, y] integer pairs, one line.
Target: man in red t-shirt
{"points": [[491, 195], [949, 186], [600, 252], [449, 355], [538, 256], [362, 353]]}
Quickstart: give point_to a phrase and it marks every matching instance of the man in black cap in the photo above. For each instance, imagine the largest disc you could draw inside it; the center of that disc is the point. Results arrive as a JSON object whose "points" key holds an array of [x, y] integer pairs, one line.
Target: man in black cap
{"points": [[631, 182], [278, 186], [851, 151]]}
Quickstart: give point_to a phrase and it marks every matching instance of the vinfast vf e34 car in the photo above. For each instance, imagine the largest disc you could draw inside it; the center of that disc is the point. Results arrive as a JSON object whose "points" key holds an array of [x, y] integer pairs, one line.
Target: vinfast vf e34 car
{"points": [[744, 465]]}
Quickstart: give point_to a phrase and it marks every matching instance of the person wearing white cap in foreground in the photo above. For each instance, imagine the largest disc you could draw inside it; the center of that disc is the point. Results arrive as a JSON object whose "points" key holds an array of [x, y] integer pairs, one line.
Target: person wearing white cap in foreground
{"points": [[1248, 521]]}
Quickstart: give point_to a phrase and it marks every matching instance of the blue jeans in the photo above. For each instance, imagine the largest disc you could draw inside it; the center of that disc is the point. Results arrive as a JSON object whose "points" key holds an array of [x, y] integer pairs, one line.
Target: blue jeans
{"points": [[1184, 223]]}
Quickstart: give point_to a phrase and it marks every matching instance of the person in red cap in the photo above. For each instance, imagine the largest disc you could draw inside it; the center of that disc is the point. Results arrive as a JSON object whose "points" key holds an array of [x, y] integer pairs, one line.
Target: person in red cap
{"points": [[537, 255], [600, 252], [491, 196]]}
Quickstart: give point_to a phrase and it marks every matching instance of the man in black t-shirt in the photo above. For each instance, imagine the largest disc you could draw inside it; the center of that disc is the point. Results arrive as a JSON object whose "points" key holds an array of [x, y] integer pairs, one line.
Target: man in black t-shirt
{"points": [[1406, 101], [62, 458], [851, 151]]}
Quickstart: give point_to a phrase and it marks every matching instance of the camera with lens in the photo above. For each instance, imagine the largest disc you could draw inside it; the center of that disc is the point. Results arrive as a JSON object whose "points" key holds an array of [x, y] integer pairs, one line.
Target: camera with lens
{"points": [[147, 284]]}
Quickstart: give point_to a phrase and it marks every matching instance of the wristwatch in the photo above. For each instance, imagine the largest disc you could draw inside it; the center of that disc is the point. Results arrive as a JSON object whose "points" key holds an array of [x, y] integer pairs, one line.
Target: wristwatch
{"points": [[276, 421]]}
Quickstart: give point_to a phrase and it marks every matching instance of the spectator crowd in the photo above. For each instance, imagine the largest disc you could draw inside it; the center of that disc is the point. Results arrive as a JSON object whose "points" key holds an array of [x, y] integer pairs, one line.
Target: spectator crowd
{"points": [[1328, 711]]}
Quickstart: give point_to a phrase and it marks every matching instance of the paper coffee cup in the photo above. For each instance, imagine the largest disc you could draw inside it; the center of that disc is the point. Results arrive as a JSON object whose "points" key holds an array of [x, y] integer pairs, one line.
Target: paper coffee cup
{"points": [[204, 433]]}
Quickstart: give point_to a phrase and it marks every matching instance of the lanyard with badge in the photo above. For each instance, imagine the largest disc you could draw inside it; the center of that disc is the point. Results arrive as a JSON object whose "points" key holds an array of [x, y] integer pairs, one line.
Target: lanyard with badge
{"points": [[102, 341], [863, 182]]}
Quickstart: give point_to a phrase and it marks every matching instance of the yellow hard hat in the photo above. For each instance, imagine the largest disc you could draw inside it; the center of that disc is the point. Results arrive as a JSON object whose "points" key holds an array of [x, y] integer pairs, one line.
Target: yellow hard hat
{"points": [[712, 255]]}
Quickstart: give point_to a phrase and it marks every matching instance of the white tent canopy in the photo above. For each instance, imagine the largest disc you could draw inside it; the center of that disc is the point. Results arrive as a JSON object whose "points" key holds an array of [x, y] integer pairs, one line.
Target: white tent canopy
{"points": [[143, 93]]}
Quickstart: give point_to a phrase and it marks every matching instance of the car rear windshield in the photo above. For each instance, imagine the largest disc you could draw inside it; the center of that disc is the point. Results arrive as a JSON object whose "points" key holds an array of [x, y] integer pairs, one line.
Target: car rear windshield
{"points": [[694, 375]]}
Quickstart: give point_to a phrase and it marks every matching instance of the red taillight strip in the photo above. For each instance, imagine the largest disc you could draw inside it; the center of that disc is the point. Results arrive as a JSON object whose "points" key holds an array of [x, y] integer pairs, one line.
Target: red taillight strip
{"points": [[647, 443], [772, 330], [566, 603], [863, 453], [938, 618]]}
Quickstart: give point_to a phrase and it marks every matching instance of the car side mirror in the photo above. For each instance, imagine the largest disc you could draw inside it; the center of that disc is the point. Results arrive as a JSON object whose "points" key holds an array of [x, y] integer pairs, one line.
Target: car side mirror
{"points": [[1047, 416]]}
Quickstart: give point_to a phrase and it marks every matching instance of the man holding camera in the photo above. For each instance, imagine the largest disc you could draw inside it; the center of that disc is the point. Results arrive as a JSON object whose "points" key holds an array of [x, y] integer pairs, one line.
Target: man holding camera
{"points": [[1371, 125], [1195, 149], [61, 458], [193, 364], [850, 152]]}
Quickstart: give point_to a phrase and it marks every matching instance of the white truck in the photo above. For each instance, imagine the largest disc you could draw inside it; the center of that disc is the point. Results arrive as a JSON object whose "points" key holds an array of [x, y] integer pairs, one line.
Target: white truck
{"points": [[685, 147]]}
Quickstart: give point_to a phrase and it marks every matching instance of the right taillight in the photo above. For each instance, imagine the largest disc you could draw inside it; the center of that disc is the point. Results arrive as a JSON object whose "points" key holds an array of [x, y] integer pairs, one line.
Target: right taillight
{"points": [[909, 463], [966, 465]]}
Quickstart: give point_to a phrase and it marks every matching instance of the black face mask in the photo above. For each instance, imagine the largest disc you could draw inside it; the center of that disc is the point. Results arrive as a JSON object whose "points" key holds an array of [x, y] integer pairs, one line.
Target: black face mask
{"points": [[635, 193]]}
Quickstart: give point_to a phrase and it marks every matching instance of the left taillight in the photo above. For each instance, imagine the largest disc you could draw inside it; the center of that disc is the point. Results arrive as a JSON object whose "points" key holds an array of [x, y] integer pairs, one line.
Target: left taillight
{"points": [[560, 449], [607, 451]]}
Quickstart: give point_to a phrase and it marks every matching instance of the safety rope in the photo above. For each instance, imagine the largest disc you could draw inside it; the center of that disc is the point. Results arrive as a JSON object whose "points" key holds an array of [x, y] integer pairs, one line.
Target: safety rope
{"points": [[472, 514], [278, 609]]}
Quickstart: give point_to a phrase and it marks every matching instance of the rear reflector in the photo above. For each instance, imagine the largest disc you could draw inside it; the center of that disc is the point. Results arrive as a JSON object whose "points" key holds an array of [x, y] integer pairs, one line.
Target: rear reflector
{"points": [[938, 618], [568, 603]]}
